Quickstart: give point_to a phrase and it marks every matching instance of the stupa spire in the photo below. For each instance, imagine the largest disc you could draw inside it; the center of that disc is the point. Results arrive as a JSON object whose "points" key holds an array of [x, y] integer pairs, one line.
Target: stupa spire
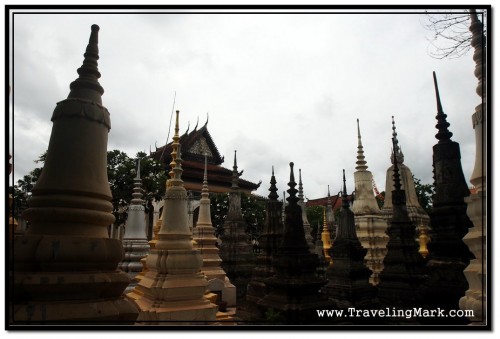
{"points": [[397, 154], [301, 191], [138, 176], [235, 173], [175, 165], [397, 178], [345, 201], [442, 125], [273, 189], [361, 163], [292, 199], [204, 189], [88, 72]]}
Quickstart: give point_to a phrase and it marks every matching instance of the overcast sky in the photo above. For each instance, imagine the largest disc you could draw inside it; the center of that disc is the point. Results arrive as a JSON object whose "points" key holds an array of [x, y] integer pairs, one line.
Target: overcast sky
{"points": [[277, 87]]}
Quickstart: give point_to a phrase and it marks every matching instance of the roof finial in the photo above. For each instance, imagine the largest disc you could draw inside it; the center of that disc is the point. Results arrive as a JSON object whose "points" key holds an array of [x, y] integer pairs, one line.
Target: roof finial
{"points": [[197, 121], [273, 189], [361, 163], [235, 173], [397, 154], [88, 72], [206, 123], [442, 125], [292, 198]]}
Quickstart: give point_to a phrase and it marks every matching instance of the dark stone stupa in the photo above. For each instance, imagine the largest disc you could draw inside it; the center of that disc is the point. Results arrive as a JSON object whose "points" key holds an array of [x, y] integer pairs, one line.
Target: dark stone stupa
{"points": [[294, 289], [269, 240], [348, 277], [449, 255], [403, 274]]}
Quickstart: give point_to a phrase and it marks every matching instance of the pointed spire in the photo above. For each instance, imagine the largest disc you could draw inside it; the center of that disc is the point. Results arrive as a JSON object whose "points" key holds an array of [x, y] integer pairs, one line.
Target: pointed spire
{"points": [[345, 201], [397, 180], [301, 192], [235, 173], [138, 168], [361, 163], [325, 225], [88, 73], [292, 199], [397, 154], [175, 164], [442, 125], [273, 189], [205, 177]]}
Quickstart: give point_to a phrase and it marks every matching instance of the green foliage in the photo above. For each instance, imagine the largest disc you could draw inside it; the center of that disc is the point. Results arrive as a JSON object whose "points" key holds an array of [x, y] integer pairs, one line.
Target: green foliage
{"points": [[253, 211], [315, 218], [425, 193], [272, 315]]}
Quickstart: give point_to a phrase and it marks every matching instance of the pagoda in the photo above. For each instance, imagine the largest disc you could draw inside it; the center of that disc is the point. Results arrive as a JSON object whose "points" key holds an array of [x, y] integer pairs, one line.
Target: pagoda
{"points": [[449, 221], [370, 223], [475, 297], [172, 290], [135, 240], [417, 214], [403, 276], [269, 240], [348, 277], [65, 265], [302, 204], [235, 250], [294, 288], [204, 236]]}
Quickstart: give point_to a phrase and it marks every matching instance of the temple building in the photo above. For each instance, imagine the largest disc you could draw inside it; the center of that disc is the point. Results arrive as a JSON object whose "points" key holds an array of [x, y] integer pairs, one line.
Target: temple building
{"points": [[370, 223], [195, 145], [65, 265]]}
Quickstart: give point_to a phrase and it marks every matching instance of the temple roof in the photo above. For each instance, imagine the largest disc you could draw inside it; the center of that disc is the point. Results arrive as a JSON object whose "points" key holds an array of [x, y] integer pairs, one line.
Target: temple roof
{"points": [[194, 145], [336, 201]]}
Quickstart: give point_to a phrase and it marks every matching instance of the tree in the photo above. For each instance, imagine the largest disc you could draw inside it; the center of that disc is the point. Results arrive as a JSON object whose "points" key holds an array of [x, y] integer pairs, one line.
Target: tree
{"points": [[315, 218], [424, 194], [451, 35], [252, 209]]}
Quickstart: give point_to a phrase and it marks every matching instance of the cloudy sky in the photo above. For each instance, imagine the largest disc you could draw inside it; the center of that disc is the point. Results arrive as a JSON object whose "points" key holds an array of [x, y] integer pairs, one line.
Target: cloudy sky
{"points": [[277, 87]]}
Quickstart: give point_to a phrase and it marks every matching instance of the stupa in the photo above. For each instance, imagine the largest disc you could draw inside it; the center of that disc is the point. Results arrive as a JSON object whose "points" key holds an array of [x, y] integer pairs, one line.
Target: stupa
{"points": [[235, 250], [326, 239], [204, 236], [403, 275], [65, 265], [302, 204], [135, 239], [294, 289], [330, 215], [475, 297], [348, 277], [370, 223], [171, 292], [269, 240], [417, 214]]}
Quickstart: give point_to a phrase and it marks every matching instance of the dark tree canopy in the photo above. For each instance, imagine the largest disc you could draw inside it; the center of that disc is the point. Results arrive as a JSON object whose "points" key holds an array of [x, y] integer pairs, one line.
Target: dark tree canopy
{"points": [[451, 37]]}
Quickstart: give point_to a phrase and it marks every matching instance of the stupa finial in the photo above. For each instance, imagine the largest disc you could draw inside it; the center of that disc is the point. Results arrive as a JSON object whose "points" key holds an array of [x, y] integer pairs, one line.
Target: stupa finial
{"points": [[88, 72], [397, 154], [301, 191], [345, 201], [273, 189], [235, 173], [397, 179], [175, 164], [205, 177], [442, 125], [292, 199], [138, 168], [361, 163]]}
